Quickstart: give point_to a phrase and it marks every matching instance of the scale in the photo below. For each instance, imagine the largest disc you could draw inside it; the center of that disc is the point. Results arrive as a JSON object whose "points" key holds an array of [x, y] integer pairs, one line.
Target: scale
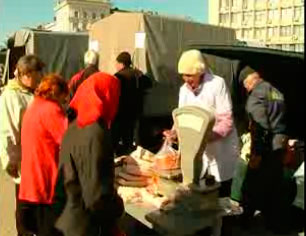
{"points": [[194, 202]]}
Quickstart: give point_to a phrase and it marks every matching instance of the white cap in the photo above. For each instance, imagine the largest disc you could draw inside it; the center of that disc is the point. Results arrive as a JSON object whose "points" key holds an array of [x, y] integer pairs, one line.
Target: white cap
{"points": [[191, 62]]}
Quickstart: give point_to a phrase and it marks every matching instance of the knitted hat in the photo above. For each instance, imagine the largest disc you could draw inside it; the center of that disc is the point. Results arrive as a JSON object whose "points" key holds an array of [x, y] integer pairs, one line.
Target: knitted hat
{"points": [[245, 72], [191, 62], [124, 58]]}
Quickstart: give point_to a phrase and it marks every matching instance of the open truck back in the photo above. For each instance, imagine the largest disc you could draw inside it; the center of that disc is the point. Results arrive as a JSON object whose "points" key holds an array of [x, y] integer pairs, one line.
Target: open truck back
{"points": [[283, 69]]}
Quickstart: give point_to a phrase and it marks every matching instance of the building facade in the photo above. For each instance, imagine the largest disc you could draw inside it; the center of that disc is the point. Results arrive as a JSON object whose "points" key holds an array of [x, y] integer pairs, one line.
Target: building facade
{"points": [[274, 23], [77, 15]]}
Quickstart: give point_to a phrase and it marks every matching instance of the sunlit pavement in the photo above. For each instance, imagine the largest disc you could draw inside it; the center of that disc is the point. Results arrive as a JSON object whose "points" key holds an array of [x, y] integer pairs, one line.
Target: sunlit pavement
{"points": [[7, 206]]}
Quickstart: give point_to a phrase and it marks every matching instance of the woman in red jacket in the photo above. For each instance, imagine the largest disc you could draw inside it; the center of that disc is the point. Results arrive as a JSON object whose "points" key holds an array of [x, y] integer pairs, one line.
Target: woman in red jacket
{"points": [[43, 126]]}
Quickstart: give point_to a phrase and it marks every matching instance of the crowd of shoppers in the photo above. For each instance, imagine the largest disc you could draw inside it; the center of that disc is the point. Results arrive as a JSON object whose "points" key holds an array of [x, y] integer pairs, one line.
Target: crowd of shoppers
{"points": [[59, 139]]}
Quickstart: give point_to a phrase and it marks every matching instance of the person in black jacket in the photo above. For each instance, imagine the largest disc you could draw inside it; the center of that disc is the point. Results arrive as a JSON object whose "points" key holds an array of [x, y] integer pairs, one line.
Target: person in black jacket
{"points": [[86, 200], [129, 104], [263, 188]]}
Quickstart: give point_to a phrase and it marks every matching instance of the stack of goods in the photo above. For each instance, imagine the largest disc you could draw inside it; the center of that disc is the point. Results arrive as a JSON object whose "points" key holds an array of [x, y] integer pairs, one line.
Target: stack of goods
{"points": [[136, 179], [141, 195], [134, 172]]}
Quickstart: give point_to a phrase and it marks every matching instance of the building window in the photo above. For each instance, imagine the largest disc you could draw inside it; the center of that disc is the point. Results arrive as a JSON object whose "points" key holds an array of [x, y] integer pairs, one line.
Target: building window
{"points": [[272, 32], [297, 14], [224, 18], [84, 26], [234, 3], [278, 47], [260, 17], [94, 15], [247, 18], [298, 30], [76, 14], [272, 16], [247, 33], [75, 27], [102, 15], [260, 4], [85, 14], [239, 33], [291, 47], [245, 4], [286, 14], [299, 47], [285, 31], [273, 3], [234, 18], [224, 4], [298, 2], [285, 47], [259, 33]]}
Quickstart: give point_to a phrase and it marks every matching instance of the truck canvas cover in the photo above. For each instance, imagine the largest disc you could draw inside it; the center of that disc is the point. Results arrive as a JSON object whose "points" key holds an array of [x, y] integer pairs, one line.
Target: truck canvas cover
{"points": [[61, 52], [155, 43]]}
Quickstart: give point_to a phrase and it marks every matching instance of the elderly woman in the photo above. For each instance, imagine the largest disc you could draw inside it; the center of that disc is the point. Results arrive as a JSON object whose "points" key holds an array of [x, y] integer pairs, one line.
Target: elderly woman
{"points": [[90, 204], [206, 90], [43, 126]]}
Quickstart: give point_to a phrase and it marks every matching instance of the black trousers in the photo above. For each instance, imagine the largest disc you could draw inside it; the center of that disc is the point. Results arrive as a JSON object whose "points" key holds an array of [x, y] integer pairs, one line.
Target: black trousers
{"points": [[225, 189], [265, 189], [18, 215], [123, 134], [37, 219]]}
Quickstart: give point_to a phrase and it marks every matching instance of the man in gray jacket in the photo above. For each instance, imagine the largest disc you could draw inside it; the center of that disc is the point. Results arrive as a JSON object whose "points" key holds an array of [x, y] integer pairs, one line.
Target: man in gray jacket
{"points": [[264, 187]]}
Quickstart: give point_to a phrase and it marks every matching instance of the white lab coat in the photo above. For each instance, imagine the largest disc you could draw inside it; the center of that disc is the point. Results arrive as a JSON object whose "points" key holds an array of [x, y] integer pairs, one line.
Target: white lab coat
{"points": [[219, 157]]}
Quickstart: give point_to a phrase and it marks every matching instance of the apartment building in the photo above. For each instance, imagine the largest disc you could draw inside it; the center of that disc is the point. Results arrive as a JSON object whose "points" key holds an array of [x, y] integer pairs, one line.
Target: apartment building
{"points": [[77, 15], [275, 23]]}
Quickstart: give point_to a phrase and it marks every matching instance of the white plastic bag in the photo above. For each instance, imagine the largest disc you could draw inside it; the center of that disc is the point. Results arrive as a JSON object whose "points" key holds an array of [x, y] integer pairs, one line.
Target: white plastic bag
{"points": [[299, 176]]}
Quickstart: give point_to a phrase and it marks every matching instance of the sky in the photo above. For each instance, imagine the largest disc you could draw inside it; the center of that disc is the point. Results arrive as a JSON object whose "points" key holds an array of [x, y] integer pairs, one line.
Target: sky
{"points": [[15, 14]]}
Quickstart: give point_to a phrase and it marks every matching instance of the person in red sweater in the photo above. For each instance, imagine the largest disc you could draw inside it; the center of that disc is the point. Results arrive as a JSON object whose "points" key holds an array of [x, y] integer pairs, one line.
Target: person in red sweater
{"points": [[91, 62], [43, 127]]}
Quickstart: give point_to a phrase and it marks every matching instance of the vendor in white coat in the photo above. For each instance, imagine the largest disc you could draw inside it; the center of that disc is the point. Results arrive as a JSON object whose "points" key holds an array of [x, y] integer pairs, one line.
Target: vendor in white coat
{"points": [[208, 91]]}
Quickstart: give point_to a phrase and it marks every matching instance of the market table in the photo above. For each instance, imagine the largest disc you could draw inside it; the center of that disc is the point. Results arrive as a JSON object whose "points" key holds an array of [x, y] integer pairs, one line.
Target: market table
{"points": [[146, 213]]}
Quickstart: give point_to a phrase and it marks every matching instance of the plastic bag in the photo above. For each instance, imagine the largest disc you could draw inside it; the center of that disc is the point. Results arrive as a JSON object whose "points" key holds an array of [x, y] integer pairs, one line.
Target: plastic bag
{"points": [[300, 180], [239, 175], [167, 157]]}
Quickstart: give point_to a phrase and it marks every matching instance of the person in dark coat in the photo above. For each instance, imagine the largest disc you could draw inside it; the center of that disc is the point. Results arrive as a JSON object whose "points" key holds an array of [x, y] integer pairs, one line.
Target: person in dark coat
{"points": [[129, 104], [264, 185], [87, 201]]}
